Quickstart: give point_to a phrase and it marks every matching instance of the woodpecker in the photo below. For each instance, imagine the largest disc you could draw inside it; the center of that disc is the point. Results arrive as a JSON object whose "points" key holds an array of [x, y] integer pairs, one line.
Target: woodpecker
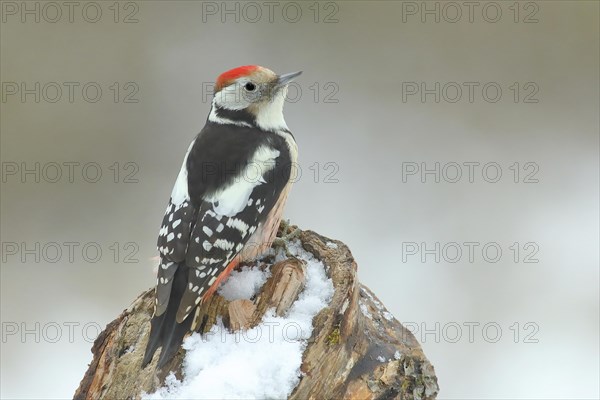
{"points": [[227, 201]]}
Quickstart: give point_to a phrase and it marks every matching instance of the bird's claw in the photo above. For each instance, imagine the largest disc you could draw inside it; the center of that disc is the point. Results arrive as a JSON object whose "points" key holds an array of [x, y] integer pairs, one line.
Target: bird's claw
{"points": [[286, 233]]}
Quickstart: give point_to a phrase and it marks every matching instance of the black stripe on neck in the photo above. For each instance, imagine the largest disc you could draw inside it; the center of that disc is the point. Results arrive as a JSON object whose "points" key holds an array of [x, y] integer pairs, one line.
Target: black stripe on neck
{"points": [[235, 115]]}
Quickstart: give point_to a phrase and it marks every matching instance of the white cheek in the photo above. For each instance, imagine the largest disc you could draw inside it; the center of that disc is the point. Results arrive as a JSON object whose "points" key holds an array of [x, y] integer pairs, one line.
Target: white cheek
{"points": [[270, 117], [232, 98]]}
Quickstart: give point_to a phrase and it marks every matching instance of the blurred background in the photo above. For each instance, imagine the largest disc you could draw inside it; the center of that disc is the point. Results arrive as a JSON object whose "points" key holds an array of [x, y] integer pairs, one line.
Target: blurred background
{"points": [[453, 147]]}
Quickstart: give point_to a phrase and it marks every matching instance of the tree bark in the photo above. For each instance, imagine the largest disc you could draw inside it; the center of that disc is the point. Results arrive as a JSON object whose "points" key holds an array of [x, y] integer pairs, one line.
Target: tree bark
{"points": [[357, 349]]}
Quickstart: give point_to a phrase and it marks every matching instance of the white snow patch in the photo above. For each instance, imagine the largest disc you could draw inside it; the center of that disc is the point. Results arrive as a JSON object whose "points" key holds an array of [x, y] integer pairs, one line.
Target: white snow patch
{"points": [[267, 358], [388, 315], [364, 309], [332, 245], [397, 355], [381, 359], [243, 284], [376, 302]]}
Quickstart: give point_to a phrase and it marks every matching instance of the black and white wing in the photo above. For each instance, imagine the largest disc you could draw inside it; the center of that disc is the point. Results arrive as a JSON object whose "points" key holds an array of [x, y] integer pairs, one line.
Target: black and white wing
{"points": [[207, 234], [173, 236]]}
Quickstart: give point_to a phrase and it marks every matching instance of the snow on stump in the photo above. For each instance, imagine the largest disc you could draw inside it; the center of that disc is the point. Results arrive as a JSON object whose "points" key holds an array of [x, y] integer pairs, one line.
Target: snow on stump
{"points": [[300, 327]]}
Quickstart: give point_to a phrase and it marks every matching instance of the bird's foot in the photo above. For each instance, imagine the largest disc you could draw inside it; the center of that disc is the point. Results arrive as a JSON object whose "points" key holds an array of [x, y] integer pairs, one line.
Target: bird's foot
{"points": [[286, 233]]}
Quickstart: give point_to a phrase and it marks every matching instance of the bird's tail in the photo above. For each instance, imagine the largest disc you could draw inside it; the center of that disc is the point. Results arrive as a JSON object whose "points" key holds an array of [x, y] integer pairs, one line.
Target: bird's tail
{"points": [[165, 332]]}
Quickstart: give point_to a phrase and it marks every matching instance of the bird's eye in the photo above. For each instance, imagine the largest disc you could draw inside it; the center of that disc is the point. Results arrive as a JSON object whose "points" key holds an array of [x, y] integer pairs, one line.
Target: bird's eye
{"points": [[250, 86]]}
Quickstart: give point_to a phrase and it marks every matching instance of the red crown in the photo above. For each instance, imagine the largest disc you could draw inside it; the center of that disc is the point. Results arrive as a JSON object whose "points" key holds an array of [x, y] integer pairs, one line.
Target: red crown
{"points": [[226, 77]]}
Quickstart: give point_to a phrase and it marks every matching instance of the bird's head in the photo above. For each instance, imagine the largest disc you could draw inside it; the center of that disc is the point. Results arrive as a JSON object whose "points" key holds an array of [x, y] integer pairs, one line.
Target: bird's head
{"points": [[251, 95]]}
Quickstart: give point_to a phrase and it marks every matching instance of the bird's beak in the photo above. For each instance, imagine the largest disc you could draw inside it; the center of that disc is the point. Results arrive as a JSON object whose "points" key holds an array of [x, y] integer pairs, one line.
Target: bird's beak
{"points": [[284, 79]]}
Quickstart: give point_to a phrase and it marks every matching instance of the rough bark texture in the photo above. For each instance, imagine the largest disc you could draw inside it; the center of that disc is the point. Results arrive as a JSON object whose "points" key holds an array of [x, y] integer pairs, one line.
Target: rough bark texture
{"points": [[357, 349]]}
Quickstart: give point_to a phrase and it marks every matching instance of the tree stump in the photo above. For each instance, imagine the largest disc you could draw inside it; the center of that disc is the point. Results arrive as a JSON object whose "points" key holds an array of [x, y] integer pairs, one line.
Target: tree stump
{"points": [[357, 349]]}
